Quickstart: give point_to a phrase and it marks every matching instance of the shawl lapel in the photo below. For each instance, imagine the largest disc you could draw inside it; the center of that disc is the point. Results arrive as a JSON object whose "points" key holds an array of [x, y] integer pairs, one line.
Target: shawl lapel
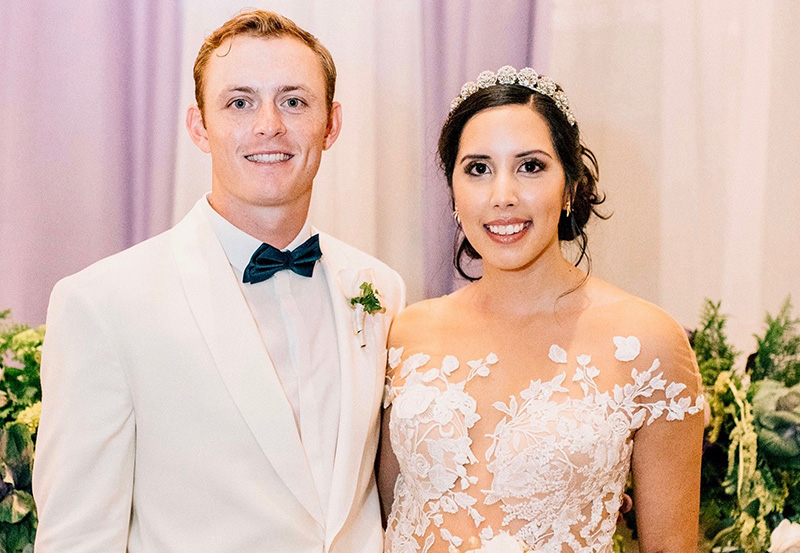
{"points": [[239, 353]]}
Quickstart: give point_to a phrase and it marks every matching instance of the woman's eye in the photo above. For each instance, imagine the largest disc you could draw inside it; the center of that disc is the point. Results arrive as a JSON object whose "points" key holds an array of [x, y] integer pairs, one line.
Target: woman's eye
{"points": [[477, 168], [532, 166]]}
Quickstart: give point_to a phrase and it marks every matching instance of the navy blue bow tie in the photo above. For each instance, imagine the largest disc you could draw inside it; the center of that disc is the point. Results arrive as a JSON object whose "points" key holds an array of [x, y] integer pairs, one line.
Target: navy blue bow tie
{"points": [[268, 260]]}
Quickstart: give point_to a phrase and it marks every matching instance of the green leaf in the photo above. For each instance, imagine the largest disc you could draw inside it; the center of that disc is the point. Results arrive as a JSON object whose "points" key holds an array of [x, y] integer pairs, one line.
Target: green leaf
{"points": [[368, 298], [753, 508], [16, 452], [16, 507], [710, 343], [778, 353], [18, 538]]}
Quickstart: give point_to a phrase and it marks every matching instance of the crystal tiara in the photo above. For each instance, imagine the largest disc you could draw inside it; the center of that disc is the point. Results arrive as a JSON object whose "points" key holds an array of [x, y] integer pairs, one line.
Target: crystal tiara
{"points": [[526, 77]]}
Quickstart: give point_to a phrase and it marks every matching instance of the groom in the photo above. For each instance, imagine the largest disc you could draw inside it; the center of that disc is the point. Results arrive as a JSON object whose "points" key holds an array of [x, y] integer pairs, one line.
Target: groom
{"points": [[206, 392]]}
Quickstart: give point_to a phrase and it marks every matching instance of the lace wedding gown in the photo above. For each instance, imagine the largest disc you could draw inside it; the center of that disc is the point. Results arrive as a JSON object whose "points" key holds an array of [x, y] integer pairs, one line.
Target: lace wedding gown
{"points": [[528, 431]]}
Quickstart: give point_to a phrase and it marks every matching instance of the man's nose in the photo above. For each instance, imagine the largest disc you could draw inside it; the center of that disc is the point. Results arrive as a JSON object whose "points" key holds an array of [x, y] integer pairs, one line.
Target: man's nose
{"points": [[269, 120], [504, 191]]}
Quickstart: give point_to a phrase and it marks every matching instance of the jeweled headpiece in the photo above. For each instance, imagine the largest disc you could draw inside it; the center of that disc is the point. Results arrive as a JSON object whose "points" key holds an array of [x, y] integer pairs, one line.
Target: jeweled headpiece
{"points": [[526, 77]]}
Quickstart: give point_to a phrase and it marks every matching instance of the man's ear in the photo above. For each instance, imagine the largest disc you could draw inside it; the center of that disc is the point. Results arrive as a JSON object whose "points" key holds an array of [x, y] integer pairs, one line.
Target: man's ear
{"points": [[334, 125], [197, 128]]}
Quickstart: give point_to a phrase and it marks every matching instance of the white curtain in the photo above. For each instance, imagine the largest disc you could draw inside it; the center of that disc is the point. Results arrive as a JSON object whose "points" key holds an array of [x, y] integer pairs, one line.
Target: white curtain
{"points": [[691, 108], [368, 190]]}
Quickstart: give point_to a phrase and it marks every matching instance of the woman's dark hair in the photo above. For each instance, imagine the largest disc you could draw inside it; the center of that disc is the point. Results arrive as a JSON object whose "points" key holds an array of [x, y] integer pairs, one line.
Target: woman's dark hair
{"points": [[580, 164]]}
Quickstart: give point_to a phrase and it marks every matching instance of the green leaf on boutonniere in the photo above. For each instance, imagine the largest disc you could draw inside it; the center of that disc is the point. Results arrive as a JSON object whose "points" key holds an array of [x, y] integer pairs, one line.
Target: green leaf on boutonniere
{"points": [[368, 299]]}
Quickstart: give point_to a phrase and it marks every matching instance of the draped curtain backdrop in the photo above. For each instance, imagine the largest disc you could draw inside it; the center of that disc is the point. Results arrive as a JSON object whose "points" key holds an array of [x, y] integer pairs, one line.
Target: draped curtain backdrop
{"points": [[88, 94], [691, 108], [461, 39], [369, 186], [689, 105]]}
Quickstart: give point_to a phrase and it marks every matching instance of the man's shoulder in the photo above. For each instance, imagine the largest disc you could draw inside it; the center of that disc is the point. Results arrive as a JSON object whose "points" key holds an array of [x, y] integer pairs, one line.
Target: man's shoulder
{"points": [[138, 262], [356, 256], [131, 264]]}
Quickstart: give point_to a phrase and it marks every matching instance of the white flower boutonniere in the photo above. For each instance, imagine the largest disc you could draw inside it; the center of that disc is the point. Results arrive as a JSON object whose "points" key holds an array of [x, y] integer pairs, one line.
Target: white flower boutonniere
{"points": [[364, 298]]}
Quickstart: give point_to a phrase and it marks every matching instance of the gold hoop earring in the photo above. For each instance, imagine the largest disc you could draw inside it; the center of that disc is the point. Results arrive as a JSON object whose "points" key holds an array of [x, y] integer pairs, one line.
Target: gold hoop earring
{"points": [[456, 217], [569, 208]]}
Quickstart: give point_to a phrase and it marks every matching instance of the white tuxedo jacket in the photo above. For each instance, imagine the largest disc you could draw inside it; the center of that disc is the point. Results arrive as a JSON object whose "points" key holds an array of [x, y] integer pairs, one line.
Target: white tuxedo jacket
{"points": [[164, 426]]}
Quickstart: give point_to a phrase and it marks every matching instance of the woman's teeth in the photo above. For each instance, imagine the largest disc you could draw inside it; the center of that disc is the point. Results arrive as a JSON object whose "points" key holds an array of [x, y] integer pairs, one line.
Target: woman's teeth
{"points": [[506, 229], [268, 158]]}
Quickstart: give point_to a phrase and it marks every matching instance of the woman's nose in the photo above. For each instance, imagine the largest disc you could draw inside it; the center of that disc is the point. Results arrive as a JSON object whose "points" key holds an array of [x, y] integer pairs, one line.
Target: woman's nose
{"points": [[504, 191]]}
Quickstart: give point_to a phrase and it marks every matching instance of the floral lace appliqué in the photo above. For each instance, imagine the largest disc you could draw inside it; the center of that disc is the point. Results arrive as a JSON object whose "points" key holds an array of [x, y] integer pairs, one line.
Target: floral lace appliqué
{"points": [[430, 420], [555, 463]]}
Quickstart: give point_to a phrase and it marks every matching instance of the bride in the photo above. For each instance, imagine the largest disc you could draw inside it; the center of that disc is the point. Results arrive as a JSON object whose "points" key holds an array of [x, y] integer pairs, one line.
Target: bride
{"points": [[516, 407]]}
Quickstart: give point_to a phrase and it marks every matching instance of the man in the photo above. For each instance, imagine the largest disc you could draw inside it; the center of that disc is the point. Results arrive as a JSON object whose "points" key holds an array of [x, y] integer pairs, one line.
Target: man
{"points": [[197, 398]]}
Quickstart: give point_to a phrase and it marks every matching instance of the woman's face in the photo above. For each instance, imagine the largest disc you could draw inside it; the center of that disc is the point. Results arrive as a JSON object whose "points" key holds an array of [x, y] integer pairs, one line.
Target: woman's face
{"points": [[508, 186]]}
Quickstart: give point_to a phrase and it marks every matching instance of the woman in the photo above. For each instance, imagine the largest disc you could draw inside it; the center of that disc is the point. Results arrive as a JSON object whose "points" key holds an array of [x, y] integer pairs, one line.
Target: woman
{"points": [[516, 406]]}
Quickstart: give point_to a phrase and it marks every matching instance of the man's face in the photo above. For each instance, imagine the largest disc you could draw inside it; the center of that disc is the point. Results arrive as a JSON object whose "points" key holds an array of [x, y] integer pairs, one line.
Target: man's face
{"points": [[266, 121]]}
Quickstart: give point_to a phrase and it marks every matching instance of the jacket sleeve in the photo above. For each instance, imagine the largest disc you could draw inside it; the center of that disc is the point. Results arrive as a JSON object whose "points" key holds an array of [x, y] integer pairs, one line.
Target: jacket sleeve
{"points": [[83, 471]]}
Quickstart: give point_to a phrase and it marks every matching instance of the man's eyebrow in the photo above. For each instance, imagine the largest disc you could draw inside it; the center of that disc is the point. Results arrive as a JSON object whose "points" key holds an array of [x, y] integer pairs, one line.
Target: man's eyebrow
{"points": [[245, 89], [293, 87]]}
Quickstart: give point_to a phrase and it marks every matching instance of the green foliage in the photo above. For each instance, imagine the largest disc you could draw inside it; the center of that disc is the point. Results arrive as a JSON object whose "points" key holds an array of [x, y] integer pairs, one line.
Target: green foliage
{"points": [[20, 359], [777, 418], [368, 298], [715, 358], [710, 344], [20, 406], [750, 477], [777, 356], [17, 510], [17, 538]]}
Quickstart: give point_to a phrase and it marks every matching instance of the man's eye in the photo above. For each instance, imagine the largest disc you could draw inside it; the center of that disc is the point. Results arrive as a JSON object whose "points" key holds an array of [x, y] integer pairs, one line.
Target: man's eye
{"points": [[239, 103], [477, 169], [294, 102]]}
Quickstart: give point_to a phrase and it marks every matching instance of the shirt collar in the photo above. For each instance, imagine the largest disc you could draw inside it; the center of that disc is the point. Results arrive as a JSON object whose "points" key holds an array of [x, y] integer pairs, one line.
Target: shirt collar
{"points": [[237, 244]]}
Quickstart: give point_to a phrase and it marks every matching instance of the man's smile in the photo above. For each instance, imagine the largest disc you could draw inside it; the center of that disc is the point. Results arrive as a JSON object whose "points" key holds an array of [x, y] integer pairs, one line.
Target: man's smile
{"points": [[269, 158]]}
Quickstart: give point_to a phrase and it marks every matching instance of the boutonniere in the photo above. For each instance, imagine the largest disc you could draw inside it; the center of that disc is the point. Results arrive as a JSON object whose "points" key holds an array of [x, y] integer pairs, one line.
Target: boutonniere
{"points": [[364, 298]]}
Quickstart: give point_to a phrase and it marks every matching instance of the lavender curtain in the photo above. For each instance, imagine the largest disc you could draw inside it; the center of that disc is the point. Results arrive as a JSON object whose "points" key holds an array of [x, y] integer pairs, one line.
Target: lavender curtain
{"points": [[88, 109], [461, 39]]}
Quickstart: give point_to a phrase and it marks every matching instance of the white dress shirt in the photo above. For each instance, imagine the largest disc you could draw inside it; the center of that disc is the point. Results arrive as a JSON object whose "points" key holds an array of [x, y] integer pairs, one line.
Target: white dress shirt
{"points": [[295, 317]]}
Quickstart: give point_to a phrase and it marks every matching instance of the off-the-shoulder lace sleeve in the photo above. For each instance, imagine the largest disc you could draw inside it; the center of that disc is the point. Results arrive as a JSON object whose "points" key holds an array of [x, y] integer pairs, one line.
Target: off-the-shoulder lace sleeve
{"points": [[665, 380]]}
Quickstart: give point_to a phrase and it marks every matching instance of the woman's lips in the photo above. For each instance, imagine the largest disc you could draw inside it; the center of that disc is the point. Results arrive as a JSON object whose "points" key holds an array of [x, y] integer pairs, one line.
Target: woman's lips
{"points": [[507, 231]]}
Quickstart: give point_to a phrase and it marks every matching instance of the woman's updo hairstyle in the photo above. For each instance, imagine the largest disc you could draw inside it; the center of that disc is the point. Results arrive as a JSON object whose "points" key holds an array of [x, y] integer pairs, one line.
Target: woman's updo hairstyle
{"points": [[580, 164]]}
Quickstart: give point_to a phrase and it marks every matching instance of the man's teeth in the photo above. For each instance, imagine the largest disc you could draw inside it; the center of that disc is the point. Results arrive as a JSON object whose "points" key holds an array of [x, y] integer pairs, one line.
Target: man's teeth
{"points": [[268, 158], [506, 229]]}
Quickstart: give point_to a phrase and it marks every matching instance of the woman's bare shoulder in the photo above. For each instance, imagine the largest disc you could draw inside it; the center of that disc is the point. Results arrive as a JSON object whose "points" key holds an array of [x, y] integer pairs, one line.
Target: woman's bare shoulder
{"points": [[649, 319], [421, 319]]}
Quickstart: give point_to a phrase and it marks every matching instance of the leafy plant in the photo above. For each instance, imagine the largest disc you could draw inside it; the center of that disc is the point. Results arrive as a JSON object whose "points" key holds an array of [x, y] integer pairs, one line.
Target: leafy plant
{"points": [[20, 407], [17, 509], [777, 356], [750, 478], [710, 344], [20, 359]]}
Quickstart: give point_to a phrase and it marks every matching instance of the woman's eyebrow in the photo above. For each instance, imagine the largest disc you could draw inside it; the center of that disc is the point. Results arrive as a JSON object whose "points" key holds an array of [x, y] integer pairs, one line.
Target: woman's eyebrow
{"points": [[474, 156]]}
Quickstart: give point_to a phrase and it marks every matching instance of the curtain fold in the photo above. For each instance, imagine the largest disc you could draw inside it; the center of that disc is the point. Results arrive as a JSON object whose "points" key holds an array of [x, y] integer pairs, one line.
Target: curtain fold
{"points": [[461, 38], [690, 108], [88, 96]]}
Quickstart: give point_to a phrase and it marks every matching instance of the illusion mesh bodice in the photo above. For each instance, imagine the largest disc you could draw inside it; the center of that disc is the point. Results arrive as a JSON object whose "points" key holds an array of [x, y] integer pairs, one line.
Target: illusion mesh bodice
{"points": [[539, 447]]}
